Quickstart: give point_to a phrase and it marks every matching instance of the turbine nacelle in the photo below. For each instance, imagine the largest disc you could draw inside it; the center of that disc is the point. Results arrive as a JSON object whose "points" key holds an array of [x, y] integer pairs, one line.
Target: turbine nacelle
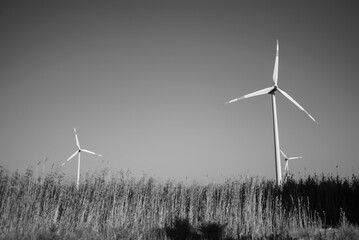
{"points": [[274, 89]]}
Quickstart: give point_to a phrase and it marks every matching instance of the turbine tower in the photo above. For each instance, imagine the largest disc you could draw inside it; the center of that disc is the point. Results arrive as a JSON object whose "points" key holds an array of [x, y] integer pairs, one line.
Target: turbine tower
{"points": [[78, 151], [272, 91]]}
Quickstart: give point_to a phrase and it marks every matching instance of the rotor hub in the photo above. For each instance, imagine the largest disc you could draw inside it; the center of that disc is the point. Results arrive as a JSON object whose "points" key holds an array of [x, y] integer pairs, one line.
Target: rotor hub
{"points": [[275, 88]]}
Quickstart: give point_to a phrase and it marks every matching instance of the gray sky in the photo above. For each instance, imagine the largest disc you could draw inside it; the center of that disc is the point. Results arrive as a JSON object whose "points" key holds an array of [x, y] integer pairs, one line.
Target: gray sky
{"points": [[145, 84]]}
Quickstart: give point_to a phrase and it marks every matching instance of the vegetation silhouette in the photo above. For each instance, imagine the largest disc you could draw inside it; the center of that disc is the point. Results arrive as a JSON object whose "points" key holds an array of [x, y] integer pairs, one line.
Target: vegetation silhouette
{"points": [[124, 207]]}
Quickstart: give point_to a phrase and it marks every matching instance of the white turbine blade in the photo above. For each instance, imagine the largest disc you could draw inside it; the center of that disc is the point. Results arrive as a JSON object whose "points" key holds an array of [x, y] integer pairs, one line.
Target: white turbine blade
{"points": [[275, 71], [257, 93], [286, 168], [285, 156], [77, 139], [73, 155], [87, 151], [292, 158], [297, 104]]}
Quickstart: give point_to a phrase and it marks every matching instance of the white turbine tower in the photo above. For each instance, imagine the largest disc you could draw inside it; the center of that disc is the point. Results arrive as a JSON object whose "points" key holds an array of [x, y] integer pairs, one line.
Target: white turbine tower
{"points": [[78, 151], [272, 90], [286, 159]]}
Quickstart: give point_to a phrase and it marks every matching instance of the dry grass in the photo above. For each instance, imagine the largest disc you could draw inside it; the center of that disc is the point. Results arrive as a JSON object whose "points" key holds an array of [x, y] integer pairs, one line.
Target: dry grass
{"points": [[129, 208]]}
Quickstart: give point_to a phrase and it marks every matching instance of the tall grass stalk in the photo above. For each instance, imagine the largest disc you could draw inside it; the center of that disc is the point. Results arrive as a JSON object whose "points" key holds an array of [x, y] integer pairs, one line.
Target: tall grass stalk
{"points": [[126, 207]]}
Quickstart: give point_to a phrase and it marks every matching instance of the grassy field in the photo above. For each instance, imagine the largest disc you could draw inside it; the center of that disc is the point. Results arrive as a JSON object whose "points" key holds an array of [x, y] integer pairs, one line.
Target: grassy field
{"points": [[125, 207]]}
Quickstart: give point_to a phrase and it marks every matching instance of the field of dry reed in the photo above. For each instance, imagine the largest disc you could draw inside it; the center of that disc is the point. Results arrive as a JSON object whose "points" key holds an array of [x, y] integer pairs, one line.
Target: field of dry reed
{"points": [[125, 207]]}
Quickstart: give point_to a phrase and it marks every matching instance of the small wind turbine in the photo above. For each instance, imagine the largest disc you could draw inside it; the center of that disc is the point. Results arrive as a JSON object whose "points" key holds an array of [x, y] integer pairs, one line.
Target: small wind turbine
{"points": [[78, 151], [272, 90], [286, 159]]}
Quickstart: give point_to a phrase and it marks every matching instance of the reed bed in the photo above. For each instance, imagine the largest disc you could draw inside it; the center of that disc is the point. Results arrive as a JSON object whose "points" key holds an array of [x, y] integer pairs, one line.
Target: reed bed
{"points": [[124, 207]]}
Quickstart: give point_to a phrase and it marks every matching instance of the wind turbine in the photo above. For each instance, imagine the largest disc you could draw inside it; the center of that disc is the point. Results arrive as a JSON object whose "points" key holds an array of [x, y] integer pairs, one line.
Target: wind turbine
{"points": [[286, 159], [78, 151], [272, 90]]}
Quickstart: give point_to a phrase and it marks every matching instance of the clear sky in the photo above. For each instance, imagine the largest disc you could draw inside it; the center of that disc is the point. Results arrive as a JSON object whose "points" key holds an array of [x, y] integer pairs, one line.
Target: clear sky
{"points": [[145, 84]]}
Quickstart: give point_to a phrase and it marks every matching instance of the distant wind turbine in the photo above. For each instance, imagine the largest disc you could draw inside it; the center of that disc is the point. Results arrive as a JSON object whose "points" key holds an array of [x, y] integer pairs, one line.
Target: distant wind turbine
{"points": [[78, 151], [286, 159], [272, 90]]}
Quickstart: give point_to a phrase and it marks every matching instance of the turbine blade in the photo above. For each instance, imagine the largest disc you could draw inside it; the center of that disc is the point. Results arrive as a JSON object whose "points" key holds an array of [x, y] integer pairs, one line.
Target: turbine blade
{"points": [[77, 139], [257, 93], [286, 168], [292, 158], [87, 151], [285, 156], [275, 71], [297, 104], [73, 155]]}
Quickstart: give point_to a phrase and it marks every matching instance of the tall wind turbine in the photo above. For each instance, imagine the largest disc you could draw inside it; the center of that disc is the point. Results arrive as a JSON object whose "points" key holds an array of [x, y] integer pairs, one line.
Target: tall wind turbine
{"points": [[78, 152], [272, 90], [286, 159]]}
